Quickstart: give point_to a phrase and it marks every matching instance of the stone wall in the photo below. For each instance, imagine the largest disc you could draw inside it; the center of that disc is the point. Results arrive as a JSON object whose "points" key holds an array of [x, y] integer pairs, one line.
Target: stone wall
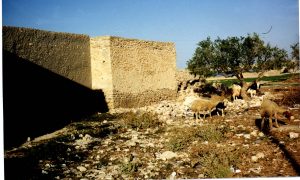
{"points": [[130, 72], [101, 67], [142, 72], [62, 53]]}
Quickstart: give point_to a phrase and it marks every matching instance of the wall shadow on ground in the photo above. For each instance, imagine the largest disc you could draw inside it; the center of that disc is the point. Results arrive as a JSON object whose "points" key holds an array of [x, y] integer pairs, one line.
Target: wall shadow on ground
{"points": [[37, 101], [289, 156]]}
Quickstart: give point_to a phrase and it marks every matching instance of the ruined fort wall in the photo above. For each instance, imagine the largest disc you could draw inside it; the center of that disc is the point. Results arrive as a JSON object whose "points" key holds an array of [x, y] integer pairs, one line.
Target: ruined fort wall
{"points": [[143, 72], [62, 53], [101, 67], [130, 72]]}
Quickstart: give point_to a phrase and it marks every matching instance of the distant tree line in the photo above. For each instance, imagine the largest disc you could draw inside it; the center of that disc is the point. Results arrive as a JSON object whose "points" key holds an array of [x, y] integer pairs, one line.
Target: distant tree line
{"points": [[236, 55]]}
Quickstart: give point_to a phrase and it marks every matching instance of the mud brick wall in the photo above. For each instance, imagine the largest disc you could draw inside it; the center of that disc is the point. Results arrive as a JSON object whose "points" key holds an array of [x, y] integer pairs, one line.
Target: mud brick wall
{"points": [[62, 53], [131, 72]]}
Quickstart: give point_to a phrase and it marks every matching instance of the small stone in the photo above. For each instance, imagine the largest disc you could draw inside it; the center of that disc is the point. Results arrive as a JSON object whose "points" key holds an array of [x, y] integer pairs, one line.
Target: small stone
{"points": [[80, 135], [201, 176], [104, 122], [131, 143], [172, 176], [261, 134], [232, 169], [47, 165], [256, 170], [150, 144], [44, 172], [167, 155], [260, 155], [293, 135], [238, 171], [81, 168], [247, 136], [253, 133], [254, 158]]}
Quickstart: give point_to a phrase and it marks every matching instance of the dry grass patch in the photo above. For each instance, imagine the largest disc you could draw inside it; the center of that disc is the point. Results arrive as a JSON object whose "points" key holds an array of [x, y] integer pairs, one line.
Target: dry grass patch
{"points": [[142, 120], [181, 138], [215, 161]]}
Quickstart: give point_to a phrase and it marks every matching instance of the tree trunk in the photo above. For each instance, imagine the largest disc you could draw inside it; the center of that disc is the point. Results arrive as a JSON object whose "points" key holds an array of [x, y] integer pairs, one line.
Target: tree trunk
{"points": [[244, 89]]}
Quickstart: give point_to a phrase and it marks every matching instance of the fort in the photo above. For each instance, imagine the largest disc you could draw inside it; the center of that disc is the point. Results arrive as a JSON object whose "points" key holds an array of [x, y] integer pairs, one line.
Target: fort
{"points": [[130, 72]]}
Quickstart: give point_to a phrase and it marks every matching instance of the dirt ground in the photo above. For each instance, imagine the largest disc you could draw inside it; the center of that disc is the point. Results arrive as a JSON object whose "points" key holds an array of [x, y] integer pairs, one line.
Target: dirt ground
{"points": [[101, 147]]}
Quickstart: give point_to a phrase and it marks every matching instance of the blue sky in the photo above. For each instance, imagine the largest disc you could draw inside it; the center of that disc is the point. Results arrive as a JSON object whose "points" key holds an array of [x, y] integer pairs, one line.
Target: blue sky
{"points": [[184, 22]]}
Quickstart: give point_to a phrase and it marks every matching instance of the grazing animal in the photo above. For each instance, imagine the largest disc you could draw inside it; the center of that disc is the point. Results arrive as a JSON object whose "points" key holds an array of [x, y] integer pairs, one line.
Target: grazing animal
{"points": [[270, 109], [207, 105], [252, 92], [236, 91], [221, 106], [253, 88]]}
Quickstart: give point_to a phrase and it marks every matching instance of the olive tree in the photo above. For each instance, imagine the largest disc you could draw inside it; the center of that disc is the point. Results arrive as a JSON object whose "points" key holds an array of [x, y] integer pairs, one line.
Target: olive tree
{"points": [[235, 55]]}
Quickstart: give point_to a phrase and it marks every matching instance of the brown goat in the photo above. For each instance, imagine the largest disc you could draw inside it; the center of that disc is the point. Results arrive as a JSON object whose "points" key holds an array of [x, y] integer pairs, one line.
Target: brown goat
{"points": [[270, 109]]}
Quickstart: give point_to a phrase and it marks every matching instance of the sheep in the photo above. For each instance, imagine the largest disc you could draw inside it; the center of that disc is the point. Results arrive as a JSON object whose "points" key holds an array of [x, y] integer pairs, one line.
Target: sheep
{"points": [[236, 91], [270, 109], [253, 88], [221, 106], [207, 105], [252, 92]]}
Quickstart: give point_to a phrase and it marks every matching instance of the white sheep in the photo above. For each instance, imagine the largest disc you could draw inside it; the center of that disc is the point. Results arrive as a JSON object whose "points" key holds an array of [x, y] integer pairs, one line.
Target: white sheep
{"points": [[270, 109]]}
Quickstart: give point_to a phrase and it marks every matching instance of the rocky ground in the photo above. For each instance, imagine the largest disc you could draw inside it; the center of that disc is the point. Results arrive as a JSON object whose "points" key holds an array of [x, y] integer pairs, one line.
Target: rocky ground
{"points": [[165, 141]]}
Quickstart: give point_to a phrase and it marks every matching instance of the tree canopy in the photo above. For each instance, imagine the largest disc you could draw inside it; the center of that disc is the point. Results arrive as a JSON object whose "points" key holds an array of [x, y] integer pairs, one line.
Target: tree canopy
{"points": [[236, 55]]}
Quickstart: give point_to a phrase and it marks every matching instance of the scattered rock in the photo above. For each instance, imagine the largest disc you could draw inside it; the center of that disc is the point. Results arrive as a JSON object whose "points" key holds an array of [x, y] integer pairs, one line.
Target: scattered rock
{"points": [[238, 171], [255, 170], [261, 134], [167, 155], [260, 155], [172, 176], [293, 135], [247, 136], [81, 168], [254, 158], [254, 133]]}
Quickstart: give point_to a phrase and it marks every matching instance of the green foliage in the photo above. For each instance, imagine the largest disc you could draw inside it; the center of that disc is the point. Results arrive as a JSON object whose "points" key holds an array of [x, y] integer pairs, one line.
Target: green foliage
{"points": [[295, 51], [201, 63], [235, 55], [129, 168], [229, 82]]}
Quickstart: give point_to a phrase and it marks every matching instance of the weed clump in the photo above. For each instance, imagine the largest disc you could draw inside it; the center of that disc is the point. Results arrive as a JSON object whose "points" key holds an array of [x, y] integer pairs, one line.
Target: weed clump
{"points": [[215, 161], [142, 120], [180, 138]]}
